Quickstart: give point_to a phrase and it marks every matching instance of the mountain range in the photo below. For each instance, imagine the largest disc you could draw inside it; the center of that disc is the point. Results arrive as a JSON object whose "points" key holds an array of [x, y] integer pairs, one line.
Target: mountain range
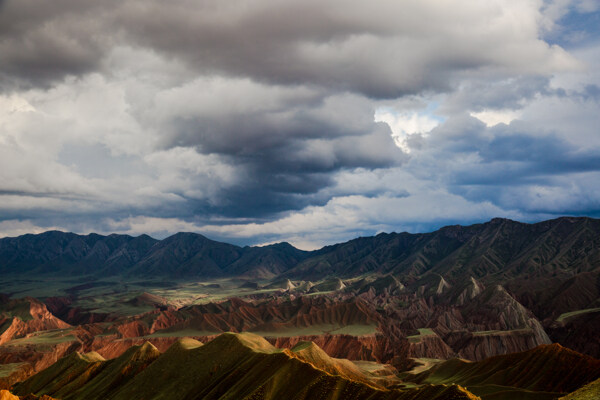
{"points": [[500, 249]]}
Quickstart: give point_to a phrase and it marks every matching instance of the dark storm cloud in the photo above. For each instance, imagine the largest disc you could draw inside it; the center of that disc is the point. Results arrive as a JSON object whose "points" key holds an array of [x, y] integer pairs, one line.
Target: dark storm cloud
{"points": [[382, 50], [292, 143], [544, 155], [386, 50], [286, 161], [41, 42], [285, 142]]}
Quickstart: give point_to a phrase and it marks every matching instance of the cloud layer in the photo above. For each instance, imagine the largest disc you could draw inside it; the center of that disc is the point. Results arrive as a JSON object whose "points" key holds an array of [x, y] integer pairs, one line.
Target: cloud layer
{"points": [[311, 122]]}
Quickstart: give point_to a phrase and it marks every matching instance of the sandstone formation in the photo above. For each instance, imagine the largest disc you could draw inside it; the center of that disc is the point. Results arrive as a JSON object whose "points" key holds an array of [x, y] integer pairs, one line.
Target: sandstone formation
{"points": [[21, 317]]}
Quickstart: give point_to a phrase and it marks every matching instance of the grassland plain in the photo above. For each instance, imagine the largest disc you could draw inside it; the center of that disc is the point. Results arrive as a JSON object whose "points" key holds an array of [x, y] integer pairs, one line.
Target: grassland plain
{"points": [[423, 332]]}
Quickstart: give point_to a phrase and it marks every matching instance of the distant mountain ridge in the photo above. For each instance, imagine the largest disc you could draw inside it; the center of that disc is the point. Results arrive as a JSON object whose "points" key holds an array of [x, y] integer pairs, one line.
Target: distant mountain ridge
{"points": [[498, 246], [498, 250], [180, 255]]}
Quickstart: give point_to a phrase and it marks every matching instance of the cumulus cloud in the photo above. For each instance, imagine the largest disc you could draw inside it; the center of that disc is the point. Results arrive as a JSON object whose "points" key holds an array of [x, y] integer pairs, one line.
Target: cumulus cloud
{"points": [[495, 117], [405, 124], [304, 121]]}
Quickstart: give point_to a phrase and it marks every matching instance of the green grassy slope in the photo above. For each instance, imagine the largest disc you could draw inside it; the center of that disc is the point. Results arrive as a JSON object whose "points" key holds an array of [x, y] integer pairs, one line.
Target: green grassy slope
{"points": [[232, 366], [88, 376]]}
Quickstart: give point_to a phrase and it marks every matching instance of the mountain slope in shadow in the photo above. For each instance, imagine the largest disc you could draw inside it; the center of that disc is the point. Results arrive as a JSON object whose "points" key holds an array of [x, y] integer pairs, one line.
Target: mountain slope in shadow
{"points": [[546, 371], [496, 251]]}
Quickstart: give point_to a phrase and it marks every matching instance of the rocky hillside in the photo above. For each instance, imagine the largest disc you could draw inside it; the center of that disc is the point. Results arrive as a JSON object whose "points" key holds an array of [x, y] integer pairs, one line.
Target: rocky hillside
{"points": [[23, 316], [232, 366]]}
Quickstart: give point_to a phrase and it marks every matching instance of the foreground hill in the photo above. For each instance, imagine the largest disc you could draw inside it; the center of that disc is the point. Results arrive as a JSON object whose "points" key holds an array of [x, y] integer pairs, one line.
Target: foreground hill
{"points": [[543, 372], [232, 366]]}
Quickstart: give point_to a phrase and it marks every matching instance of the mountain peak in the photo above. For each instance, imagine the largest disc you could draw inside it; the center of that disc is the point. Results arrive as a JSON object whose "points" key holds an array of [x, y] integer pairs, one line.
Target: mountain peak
{"points": [[91, 356], [144, 352], [186, 235], [499, 220], [229, 341]]}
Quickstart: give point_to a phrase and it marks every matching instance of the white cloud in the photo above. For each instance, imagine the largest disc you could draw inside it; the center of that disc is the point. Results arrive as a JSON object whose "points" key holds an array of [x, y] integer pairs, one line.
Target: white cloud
{"points": [[403, 124], [13, 228], [14, 104], [495, 117], [159, 227], [198, 176]]}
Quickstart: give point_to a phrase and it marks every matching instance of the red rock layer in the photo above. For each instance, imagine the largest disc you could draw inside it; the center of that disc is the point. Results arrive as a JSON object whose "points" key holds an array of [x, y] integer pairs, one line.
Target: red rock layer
{"points": [[39, 357], [41, 320], [480, 346], [367, 348], [430, 347]]}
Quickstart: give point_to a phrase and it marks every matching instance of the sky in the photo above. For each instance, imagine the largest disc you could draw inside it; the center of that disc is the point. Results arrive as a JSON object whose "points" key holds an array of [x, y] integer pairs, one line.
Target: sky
{"points": [[311, 122]]}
